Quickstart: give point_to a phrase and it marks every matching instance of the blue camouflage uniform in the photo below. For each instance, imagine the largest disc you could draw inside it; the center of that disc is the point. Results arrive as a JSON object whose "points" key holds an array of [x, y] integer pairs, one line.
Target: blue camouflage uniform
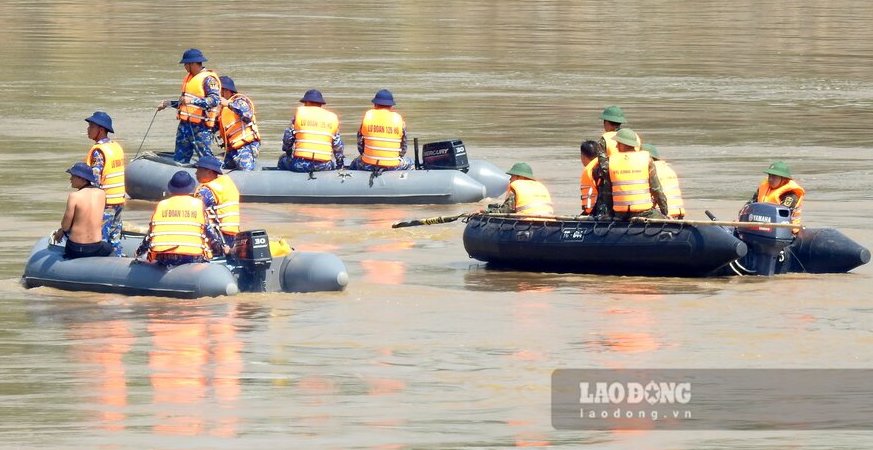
{"points": [[358, 164], [209, 201], [197, 137], [244, 157], [288, 162], [112, 225]]}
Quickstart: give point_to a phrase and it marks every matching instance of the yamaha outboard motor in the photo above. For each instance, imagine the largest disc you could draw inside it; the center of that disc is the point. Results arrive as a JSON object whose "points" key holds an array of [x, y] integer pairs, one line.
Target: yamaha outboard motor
{"points": [[766, 244], [444, 155], [251, 254]]}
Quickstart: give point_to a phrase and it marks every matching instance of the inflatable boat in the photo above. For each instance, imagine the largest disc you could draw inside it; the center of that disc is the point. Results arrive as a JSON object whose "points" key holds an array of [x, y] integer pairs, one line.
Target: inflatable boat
{"points": [[602, 247], [668, 248], [253, 269], [445, 176]]}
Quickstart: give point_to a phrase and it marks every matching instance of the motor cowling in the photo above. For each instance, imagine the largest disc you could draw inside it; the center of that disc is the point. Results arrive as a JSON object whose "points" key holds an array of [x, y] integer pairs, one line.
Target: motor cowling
{"points": [[766, 244], [251, 254], [445, 155]]}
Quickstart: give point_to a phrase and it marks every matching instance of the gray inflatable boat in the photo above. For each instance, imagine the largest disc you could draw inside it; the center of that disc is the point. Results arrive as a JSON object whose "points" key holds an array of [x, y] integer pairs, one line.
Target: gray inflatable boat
{"points": [[255, 270], [444, 177]]}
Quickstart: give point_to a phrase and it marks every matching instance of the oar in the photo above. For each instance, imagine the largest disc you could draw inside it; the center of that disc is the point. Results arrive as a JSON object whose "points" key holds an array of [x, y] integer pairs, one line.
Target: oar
{"points": [[146, 133], [429, 221], [726, 223]]}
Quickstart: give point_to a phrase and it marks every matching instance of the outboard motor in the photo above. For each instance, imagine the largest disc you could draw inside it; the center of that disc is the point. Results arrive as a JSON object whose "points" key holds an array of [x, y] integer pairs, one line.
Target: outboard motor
{"points": [[251, 254], [766, 244], [444, 155]]}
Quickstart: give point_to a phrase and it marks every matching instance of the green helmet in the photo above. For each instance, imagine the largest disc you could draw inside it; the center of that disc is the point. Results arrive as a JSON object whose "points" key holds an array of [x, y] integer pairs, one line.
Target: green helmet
{"points": [[653, 151], [613, 114], [627, 136], [521, 169], [780, 169]]}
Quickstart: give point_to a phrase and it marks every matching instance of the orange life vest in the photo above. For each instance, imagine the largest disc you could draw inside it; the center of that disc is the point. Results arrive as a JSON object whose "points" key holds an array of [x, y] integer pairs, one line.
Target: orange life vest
{"points": [[670, 187], [178, 228], [226, 209], [234, 131], [314, 129], [112, 177], [629, 173], [767, 195], [192, 88], [382, 130], [587, 187], [531, 198]]}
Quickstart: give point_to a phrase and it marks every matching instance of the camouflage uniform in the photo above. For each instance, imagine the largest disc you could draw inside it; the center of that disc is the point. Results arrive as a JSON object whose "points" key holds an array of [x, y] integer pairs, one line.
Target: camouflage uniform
{"points": [[209, 201], [212, 237], [358, 164], [112, 224], [288, 162], [197, 137], [244, 157]]}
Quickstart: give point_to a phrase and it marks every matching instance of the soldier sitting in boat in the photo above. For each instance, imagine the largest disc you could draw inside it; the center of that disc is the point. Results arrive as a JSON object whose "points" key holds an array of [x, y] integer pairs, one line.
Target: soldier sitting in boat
{"points": [[178, 232], [588, 152], [238, 127], [669, 183], [382, 137], [220, 197], [780, 189], [83, 216], [312, 141], [525, 195], [635, 189]]}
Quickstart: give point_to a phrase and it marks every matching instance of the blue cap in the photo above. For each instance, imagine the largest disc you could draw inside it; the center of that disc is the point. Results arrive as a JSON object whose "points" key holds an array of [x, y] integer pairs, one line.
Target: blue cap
{"points": [[83, 171], [101, 119], [181, 183], [314, 96], [209, 162], [192, 55], [227, 83], [384, 98]]}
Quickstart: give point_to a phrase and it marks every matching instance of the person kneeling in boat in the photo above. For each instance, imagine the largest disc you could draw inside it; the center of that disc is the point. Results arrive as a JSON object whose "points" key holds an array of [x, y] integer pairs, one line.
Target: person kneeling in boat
{"points": [[238, 127], [588, 185], [669, 183], [83, 216], [312, 142], [780, 189], [382, 137], [177, 232], [525, 195], [220, 197], [635, 188]]}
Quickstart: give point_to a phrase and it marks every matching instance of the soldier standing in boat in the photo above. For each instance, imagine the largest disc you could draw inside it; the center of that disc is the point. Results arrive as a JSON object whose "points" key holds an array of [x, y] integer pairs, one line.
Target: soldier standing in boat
{"points": [[312, 141], [525, 194], [780, 189], [382, 137], [612, 117], [220, 197], [238, 128], [198, 107], [669, 183], [82, 216], [106, 159], [635, 189], [178, 232]]}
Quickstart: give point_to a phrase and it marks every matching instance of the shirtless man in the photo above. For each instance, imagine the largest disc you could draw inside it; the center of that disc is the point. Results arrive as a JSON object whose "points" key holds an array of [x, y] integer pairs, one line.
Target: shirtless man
{"points": [[83, 217]]}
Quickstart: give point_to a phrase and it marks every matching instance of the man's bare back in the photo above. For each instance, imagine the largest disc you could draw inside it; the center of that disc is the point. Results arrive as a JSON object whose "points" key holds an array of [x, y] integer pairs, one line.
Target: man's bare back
{"points": [[83, 217]]}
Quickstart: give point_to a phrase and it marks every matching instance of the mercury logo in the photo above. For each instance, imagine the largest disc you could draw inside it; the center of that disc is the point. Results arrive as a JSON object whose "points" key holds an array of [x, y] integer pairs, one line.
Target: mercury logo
{"points": [[633, 392]]}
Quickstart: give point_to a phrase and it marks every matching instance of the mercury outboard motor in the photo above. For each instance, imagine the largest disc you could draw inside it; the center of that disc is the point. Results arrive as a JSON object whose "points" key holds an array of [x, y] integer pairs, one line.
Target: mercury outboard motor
{"points": [[251, 254], [766, 244], [443, 155]]}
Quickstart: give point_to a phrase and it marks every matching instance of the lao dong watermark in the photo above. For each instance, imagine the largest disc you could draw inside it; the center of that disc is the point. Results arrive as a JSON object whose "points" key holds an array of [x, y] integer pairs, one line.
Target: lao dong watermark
{"points": [[699, 399]]}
